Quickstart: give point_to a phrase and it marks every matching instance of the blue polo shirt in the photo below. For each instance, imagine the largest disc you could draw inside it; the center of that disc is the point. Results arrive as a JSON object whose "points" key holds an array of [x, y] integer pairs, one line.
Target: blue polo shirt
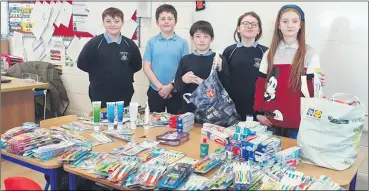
{"points": [[164, 55], [108, 39]]}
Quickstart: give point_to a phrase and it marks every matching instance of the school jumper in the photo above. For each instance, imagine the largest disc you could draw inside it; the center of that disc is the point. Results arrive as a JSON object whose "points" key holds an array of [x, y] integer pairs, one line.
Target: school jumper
{"points": [[200, 65], [110, 67], [243, 63]]}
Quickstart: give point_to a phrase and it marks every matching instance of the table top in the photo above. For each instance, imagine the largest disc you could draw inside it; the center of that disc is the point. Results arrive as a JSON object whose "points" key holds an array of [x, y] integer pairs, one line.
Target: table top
{"points": [[54, 162], [19, 84], [192, 149]]}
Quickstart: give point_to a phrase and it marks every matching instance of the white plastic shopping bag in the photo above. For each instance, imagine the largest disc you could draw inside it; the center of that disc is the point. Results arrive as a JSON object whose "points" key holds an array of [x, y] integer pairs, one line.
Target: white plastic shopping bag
{"points": [[330, 131]]}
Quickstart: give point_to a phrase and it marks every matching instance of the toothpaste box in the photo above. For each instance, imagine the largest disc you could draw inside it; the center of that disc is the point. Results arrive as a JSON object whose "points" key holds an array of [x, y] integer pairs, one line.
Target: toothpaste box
{"points": [[267, 149], [290, 156], [252, 145], [215, 133], [188, 117], [259, 129]]}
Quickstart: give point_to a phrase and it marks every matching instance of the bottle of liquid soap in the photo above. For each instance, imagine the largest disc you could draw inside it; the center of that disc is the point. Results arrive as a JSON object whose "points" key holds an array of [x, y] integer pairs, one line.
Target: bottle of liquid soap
{"points": [[204, 148]]}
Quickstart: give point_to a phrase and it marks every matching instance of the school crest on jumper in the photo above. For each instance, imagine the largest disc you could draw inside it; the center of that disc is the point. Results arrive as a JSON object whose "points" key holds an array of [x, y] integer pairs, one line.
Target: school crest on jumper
{"points": [[257, 62], [124, 56]]}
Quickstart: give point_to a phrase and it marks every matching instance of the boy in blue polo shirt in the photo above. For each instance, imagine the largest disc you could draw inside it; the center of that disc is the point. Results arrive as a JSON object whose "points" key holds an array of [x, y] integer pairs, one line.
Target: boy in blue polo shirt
{"points": [[161, 59]]}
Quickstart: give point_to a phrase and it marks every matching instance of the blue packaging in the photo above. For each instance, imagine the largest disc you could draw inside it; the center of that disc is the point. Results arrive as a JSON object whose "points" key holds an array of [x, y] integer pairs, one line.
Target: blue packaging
{"points": [[103, 115], [111, 114], [268, 148], [179, 125], [120, 111]]}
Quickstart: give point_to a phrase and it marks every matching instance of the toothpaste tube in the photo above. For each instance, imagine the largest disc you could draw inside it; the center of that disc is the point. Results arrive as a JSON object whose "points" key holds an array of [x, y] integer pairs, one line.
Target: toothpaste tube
{"points": [[111, 116], [318, 89], [120, 111]]}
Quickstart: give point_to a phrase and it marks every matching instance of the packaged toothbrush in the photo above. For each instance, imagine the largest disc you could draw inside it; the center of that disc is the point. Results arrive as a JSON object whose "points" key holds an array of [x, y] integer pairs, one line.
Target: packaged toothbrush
{"points": [[242, 175], [92, 160], [222, 179], [210, 162], [106, 167], [147, 176], [194, 182], [126, 167], [176, 175]]}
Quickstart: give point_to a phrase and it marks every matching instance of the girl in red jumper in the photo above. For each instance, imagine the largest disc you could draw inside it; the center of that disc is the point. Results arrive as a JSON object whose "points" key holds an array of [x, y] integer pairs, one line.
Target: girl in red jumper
{"points": [[279, 88]]}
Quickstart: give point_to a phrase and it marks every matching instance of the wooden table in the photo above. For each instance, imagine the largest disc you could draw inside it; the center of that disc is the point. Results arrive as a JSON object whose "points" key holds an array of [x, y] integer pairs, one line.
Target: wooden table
{"points": [[17, 103], [192, 149]]}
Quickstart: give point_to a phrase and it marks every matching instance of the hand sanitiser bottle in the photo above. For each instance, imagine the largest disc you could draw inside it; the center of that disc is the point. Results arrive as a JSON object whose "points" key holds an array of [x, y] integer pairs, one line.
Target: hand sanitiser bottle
{"points": [[204, 148]]}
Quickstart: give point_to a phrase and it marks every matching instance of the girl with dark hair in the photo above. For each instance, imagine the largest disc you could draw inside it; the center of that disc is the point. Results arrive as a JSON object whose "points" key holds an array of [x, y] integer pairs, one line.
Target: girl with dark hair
{"points": [[243, 60]]}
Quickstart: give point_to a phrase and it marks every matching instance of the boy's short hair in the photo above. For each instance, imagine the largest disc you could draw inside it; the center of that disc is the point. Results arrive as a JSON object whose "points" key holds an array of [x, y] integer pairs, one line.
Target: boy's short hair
{"points": [[202, 26], [166, 8], [113, 12]]}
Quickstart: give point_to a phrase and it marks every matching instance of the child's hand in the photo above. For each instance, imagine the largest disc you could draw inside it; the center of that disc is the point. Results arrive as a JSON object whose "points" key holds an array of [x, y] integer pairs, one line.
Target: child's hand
{"points": [[165, 91], [322, 79], [264, 120], [219, 61], [190, 78]]}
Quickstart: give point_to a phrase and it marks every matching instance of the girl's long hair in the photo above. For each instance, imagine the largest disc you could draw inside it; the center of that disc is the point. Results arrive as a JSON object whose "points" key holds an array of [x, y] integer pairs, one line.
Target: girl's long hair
{"points": [[297, 68]]}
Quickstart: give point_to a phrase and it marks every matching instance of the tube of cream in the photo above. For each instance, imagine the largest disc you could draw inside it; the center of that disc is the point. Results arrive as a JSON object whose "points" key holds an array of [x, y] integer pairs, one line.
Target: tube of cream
{"points": [[110, 110], [120, 111], [96, 105], [318, 89], [133, 110]]}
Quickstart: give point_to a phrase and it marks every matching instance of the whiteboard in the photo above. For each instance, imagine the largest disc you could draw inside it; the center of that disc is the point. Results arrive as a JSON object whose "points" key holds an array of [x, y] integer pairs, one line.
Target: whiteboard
{"points": [[338, 31]]}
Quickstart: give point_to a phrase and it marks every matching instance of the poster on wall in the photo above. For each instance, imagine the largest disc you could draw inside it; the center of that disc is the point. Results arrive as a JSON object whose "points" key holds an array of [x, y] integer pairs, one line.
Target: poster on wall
{"points": [[27, 23], [56, 50], [15, 17], [68, 60], [55, 55], [80, 14]]}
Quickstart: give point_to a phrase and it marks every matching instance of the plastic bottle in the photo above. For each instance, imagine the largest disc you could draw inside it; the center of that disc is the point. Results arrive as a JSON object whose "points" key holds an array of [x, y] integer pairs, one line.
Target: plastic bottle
{"points": [[204, 148], [249, 118], [147, 114]]}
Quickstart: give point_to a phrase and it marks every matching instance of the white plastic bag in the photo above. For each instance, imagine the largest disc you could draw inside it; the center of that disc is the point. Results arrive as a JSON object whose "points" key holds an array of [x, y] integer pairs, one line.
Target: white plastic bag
{"points": [[330, 131]]}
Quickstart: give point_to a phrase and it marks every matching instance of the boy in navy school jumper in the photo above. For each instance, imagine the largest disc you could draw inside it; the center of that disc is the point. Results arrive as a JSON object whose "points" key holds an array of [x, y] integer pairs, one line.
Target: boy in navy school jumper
{"points": [[244, 60], [196, 67], [111, 61], [278, 89], [162, 55]]}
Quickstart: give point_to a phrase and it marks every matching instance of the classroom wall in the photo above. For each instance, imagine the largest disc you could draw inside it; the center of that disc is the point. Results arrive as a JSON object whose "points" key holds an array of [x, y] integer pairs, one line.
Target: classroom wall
{"points": [[76, 81]]}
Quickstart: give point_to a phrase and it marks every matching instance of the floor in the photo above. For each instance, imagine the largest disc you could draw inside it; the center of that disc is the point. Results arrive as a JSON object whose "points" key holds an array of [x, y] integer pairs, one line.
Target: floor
{"points": [[9, 169]]}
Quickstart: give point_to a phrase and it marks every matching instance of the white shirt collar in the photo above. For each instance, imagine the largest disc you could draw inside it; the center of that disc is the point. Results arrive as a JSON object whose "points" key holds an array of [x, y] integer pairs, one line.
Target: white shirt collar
{"points": [[282, 45]]}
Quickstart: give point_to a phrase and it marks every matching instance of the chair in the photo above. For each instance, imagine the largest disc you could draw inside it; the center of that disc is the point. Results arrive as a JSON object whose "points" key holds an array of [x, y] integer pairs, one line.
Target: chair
{"points": [[21, 183], [32, 78], [39, 93]]}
